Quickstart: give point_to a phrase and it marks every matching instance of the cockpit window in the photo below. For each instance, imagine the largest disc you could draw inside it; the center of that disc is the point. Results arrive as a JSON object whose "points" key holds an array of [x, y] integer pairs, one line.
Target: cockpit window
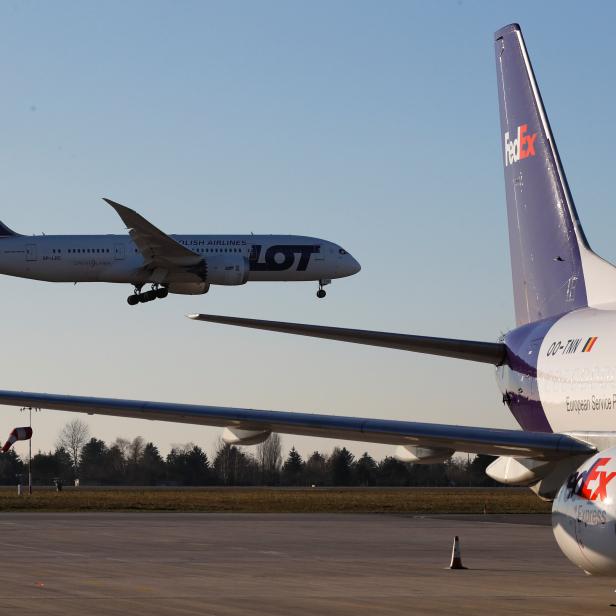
{"points": [[342, 251]]}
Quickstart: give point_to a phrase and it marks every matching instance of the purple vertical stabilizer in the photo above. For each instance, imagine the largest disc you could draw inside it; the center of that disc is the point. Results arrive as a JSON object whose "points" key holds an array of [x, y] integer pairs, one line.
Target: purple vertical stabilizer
{"points": [[545, 237]]}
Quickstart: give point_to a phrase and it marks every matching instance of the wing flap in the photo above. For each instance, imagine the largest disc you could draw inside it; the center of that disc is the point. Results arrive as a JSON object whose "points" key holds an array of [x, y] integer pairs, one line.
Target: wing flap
{"points": [[538, 445], [487, 352]]}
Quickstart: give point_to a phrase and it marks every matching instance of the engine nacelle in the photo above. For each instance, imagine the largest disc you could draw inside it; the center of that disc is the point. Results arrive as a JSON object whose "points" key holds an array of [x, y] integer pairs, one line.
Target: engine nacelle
{"points": [[228, 269], [237, 436], [584, 515], [189, 288], [422, 455]]}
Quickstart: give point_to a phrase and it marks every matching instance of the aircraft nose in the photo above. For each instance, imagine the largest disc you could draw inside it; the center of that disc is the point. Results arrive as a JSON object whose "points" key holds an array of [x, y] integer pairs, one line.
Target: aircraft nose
{"points": [[348, 265], [354, 265]]}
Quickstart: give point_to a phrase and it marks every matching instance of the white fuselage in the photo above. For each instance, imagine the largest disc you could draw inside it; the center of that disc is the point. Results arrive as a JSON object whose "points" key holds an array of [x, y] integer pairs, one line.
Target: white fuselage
{"points": [[116, 258], [576, 372], [561, 373]]}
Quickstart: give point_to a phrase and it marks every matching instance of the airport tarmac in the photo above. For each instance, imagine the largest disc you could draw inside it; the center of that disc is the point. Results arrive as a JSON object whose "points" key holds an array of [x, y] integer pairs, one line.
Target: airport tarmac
{"points": [[223, 564]]}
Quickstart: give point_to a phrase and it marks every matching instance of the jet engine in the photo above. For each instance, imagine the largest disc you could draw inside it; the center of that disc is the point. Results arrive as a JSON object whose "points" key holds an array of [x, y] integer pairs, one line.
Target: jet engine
{"points": [[189, 288], [584, 515], [231, 269]]}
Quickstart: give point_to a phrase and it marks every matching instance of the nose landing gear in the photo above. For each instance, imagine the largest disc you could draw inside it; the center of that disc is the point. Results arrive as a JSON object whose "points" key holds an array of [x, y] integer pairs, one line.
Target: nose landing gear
{"points": [[321, 293], [157, 292]]}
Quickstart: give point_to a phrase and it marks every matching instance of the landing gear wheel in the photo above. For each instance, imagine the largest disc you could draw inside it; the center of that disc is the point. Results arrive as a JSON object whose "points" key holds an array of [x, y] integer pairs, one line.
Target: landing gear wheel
{"points": [[156, 292], [321, 292]]}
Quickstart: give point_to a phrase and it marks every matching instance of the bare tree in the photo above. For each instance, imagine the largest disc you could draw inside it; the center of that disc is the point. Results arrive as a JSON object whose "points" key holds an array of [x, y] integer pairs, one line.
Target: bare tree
{"points": [[233, 466], [269, 457], [123, 446], [72, 438], [136, 450]]}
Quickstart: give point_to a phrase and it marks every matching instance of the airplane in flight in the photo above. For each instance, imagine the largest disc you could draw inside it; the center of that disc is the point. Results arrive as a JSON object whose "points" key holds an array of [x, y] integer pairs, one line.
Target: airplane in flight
{"points": [[185, 264], [556, 370]]}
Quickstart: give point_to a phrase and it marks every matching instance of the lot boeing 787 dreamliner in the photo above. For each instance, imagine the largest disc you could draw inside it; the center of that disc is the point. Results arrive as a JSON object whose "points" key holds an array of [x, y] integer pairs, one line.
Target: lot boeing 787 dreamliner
{"points": [[186, 264], [556, 369]]}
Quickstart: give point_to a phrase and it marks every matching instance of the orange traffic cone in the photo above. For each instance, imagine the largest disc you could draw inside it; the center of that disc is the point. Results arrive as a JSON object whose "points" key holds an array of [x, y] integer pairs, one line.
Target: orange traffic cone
{"points": [[456, 558]]}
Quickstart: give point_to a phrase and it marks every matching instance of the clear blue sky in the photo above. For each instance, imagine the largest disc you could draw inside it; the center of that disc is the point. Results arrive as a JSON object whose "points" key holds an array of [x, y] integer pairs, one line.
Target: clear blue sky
{"points": [[374, 125]]}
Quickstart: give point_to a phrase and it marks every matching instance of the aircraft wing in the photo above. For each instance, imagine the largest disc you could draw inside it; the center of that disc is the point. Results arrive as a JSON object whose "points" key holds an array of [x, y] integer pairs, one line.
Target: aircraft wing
{"points": [[157, 248], [539, 445], [473, 350]]}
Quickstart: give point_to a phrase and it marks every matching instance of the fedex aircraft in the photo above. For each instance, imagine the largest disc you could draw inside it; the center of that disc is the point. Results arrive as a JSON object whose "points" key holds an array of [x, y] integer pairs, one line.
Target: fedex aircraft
{"points": [[556, 370], [186, 264]]}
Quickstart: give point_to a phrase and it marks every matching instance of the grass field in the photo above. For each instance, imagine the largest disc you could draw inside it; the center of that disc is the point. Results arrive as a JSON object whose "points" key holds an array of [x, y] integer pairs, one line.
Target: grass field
{"points": [[272, 500]]}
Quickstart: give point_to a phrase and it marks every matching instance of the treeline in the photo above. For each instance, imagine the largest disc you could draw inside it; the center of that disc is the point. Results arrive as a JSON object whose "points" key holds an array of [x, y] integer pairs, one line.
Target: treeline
{"points": [[93, 462]]}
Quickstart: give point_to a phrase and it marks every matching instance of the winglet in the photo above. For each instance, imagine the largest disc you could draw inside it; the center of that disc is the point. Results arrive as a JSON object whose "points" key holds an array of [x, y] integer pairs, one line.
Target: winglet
{"points": [[121, 210], [114, 204]]}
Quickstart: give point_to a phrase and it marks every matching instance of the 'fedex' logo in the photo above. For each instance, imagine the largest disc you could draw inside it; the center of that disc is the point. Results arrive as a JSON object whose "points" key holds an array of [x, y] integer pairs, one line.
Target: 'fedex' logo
{"points": [[522, 146], [580, 483]]}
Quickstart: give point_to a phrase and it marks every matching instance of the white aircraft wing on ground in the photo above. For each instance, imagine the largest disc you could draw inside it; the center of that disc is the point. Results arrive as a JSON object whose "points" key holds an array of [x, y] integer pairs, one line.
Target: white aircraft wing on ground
{"points": [[538, 445]]}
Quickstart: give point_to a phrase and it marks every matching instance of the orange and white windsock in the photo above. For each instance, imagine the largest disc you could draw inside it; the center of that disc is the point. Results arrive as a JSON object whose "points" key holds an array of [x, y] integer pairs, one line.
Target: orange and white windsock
{"points": [[18, 434]]}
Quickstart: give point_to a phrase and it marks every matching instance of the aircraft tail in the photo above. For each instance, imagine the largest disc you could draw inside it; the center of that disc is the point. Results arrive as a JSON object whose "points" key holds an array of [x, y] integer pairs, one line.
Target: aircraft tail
{"points": [[554, 270]]}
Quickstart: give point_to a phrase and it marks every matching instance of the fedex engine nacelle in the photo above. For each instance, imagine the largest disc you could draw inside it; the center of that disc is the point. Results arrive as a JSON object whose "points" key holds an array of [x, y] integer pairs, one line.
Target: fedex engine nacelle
{"points": [[227, 270], [584, 515]]}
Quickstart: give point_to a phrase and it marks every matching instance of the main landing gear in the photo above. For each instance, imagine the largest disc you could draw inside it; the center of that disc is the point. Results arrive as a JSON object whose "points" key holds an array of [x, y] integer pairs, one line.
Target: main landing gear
{"points": [[321, 293], [157, 292]]}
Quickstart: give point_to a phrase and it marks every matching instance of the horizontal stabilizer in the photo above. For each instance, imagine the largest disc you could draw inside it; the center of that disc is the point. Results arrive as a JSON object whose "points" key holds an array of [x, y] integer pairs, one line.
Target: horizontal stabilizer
{"points": [[487, 352], [539, 445]]}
